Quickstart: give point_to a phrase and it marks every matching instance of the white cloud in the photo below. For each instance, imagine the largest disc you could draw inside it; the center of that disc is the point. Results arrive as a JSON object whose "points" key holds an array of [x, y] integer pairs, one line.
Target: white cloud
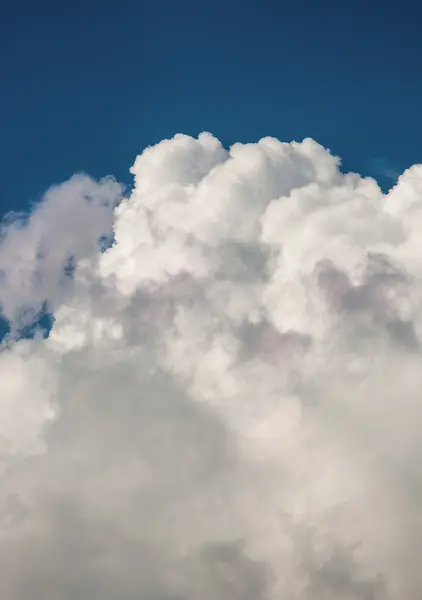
{"points": [[228, 403], [68, 224]]}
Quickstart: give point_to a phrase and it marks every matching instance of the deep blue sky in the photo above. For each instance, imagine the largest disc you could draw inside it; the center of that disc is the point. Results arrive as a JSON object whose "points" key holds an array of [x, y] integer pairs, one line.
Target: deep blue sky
{"points": [[86, 85]]}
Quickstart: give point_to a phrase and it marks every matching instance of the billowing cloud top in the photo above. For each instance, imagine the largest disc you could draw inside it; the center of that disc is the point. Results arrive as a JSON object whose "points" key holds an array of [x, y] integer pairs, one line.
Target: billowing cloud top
{"points": [[228, 403]]}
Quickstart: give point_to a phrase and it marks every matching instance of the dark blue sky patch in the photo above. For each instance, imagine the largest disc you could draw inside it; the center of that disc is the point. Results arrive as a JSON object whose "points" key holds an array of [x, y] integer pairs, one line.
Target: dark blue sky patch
{"points": [[84, 87], [39, 326]]}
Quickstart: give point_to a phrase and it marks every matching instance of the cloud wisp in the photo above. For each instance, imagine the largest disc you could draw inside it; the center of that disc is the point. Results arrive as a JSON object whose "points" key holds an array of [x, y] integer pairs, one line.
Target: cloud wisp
{"points": [[228, 402]]}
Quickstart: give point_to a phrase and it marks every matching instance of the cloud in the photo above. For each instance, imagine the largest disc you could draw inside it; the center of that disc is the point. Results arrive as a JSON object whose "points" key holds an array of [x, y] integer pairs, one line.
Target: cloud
{"points": [[227, 404], [35, 250]]}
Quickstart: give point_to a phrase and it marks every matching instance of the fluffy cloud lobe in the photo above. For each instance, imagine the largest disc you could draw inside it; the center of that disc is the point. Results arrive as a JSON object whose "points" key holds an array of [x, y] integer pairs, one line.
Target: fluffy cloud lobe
{"points": [[228, 403]]}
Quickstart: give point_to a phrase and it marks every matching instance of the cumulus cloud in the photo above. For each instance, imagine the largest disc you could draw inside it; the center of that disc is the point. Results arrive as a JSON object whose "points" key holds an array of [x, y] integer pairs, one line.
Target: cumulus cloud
{"points": [[227, 405], [71, 223]]}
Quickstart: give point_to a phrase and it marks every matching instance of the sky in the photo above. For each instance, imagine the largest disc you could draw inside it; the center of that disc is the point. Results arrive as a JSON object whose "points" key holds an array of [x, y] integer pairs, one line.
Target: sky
{"points": [[85, 86], [223, 397]]}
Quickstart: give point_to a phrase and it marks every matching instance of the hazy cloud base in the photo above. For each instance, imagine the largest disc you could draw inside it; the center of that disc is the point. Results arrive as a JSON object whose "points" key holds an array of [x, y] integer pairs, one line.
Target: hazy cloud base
{"points": [[228, 403]]}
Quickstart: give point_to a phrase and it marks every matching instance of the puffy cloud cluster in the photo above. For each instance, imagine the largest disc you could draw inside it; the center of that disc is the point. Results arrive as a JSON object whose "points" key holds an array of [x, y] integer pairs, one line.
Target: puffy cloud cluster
{"points": [[228, 404], [62, 230]]}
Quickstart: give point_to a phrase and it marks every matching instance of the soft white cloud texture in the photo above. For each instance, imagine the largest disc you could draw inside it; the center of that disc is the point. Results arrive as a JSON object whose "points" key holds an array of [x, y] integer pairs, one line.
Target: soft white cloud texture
{"points": [[228, 405]]}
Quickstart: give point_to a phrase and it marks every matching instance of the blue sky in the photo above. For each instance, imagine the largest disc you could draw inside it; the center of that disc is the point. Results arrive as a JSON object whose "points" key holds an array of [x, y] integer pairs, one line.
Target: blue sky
{"points": [[86, 85]]}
